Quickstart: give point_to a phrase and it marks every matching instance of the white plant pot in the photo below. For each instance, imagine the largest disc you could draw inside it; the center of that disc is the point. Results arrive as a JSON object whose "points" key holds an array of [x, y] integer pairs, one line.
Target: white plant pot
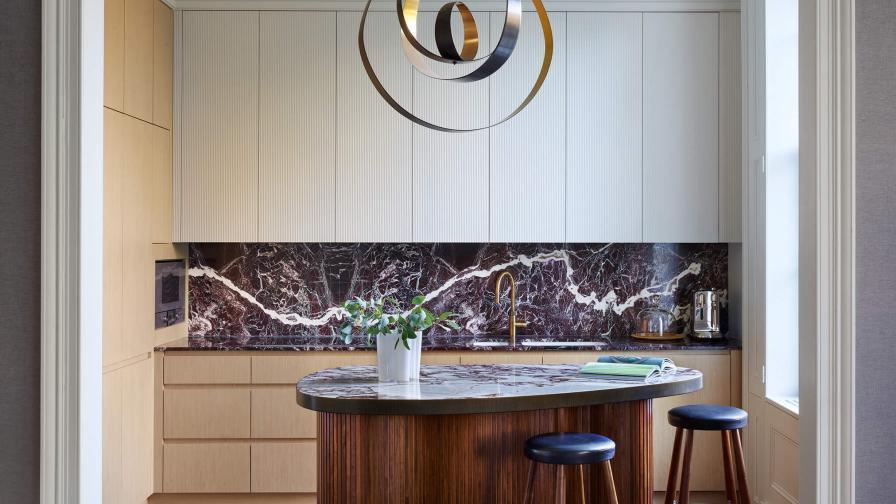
{"points": [[398, 364]]}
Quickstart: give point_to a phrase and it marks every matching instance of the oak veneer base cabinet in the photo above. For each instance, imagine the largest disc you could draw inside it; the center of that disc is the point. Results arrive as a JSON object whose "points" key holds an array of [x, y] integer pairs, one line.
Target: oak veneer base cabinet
{"points": [[229, 423], [634, 136]]}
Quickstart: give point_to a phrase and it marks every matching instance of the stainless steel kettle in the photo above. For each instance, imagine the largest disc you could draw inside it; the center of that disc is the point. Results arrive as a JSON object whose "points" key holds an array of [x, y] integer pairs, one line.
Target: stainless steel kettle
{"points": [[707, 315]]}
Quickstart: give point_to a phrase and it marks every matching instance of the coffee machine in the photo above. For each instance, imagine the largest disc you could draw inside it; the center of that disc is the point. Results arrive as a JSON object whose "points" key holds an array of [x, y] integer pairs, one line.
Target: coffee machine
{"points": [[707, 314]]}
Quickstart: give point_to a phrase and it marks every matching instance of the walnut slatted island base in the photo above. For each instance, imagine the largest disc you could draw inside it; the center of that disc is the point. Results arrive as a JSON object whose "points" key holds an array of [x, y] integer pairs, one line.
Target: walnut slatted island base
{"points": [[458, 434]]}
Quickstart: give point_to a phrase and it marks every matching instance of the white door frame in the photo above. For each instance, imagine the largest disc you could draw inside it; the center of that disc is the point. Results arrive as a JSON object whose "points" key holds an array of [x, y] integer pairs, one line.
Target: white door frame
{"points": [[827, 257], [71, 251]]}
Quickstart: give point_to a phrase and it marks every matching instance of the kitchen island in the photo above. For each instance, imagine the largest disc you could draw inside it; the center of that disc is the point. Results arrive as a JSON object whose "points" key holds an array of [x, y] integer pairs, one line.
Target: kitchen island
{"points": [[457, 435]]}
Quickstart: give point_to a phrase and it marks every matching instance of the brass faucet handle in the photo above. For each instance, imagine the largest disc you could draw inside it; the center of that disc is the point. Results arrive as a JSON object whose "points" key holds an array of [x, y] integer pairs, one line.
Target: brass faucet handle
{"points": [[521, 324]]}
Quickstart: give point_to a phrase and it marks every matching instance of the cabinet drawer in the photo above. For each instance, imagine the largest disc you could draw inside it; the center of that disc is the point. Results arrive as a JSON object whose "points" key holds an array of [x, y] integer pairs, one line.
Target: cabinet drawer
{"points": [[289, 369], [206, 468], [284, 467], [197, 369], [275, 414], [501, 358], [206, 413]]}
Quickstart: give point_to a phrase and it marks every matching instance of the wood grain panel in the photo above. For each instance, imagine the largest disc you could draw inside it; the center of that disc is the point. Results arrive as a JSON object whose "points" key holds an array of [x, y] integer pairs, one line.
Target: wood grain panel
{"points": [[730, 139], [440, 358], [451, 170], [137, 273], [289, 369], [114, 152], [527, 186], [207, 467], [219, 107], [161, 200], [138, 58], [437, 468], [284, 467], [113, 54], [604, 172], [137, 431], [373, 143], [113, 491], [207, 413], [218, 498], [296, 127], [681, 127], [193, 369], [163, 64], [276, 415], [706, 465], [501, 358]]}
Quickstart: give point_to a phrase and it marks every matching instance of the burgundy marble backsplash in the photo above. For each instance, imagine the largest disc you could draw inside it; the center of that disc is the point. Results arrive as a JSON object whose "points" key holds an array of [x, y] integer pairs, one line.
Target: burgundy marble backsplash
{"points": [[588, 292]]}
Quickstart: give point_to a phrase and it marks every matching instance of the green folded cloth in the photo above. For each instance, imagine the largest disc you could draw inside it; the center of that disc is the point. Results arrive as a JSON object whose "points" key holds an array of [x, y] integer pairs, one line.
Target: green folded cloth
{"points": [[642, 371], [665, 365]]}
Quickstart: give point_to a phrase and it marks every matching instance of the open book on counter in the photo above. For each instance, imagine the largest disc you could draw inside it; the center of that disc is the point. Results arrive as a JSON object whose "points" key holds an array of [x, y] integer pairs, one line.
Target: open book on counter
{"points": [[636, 368]]}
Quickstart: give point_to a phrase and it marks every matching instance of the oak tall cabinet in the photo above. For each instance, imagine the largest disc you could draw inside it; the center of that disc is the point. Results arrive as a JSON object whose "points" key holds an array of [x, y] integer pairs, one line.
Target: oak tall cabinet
{"points": [[137, 209]]}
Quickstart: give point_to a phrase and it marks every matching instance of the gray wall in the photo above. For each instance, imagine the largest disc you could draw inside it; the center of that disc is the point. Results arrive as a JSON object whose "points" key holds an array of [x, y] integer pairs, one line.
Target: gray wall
{"points": [[875, 250], [20, 38]]}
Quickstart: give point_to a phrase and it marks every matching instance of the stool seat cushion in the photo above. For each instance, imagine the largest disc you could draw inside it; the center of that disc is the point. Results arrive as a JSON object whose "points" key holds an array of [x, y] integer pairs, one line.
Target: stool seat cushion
{"points": [[708, 417], [570, 448]]}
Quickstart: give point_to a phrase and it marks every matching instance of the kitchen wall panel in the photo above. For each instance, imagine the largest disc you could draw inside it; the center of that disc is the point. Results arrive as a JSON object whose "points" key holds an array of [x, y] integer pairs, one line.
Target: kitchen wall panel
{"points": [[138, 58], [374, 164], [451, 170], [219, 173], [730, 118], [604, 176], [297, 127], [527, 184], [681, 127]]}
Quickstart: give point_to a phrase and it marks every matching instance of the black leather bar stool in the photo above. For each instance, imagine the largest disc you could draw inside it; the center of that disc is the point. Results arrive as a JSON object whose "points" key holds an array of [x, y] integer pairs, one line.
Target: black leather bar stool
{"points": [[570, 448], [708, 417]]}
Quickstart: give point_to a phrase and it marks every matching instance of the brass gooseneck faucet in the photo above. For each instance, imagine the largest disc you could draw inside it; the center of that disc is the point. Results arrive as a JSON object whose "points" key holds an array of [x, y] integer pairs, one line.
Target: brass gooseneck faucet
{"points": [[513, 325]]}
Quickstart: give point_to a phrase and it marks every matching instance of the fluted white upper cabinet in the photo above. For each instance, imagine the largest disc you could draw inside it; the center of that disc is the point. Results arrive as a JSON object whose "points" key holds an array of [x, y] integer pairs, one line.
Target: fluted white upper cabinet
{"points": [[374, 160], [681, 127], [297, 127], [451, 169], [603, 137], [218, 168], [528, 153]]}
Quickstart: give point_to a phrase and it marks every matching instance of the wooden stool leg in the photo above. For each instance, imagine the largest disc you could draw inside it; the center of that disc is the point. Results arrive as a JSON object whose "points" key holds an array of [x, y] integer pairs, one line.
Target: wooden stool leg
{"points": [[741, 469], [561, 484], [684, 496], [530, 482], [728, 463], [608, 481], [673, 468], [582, 484]]}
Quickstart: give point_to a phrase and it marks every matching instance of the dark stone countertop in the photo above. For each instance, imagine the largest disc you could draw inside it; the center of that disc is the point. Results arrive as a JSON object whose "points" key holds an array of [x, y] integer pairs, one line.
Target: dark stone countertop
{"points": [[441, 343], [471, 389]]}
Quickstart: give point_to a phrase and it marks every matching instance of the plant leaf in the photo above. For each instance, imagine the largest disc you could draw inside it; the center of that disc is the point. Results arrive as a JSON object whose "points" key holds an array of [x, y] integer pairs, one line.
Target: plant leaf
{"points": [[418, 300]]}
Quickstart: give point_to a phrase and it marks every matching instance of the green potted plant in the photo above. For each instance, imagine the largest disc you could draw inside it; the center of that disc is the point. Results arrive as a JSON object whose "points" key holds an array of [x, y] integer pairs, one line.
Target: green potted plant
{"points": [[397, 333]]}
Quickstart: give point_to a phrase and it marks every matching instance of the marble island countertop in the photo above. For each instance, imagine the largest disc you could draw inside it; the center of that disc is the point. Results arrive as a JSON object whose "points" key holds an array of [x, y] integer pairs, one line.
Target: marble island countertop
{"points": [[459, 389], [495, 343]]}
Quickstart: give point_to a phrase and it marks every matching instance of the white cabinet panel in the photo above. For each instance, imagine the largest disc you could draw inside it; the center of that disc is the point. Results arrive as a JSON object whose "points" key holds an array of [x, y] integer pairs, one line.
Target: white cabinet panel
{"points": [[604, 175], [729, 128], [528, 153], [374, 197], [451, 169], [297, 127], [681, 127], [219, 172]]}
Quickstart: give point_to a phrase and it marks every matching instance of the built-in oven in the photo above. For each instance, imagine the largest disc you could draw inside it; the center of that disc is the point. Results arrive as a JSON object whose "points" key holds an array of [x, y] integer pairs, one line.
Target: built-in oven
{"points": [[170, 292]]}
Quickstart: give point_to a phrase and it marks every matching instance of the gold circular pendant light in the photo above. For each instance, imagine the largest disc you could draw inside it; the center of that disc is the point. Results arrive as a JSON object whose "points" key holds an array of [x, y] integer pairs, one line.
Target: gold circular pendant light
{"points": [[418, 55]]}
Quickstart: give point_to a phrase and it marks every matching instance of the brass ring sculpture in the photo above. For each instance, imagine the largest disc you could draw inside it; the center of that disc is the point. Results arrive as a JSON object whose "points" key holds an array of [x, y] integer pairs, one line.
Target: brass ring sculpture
{"points": [[417, 54]]}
